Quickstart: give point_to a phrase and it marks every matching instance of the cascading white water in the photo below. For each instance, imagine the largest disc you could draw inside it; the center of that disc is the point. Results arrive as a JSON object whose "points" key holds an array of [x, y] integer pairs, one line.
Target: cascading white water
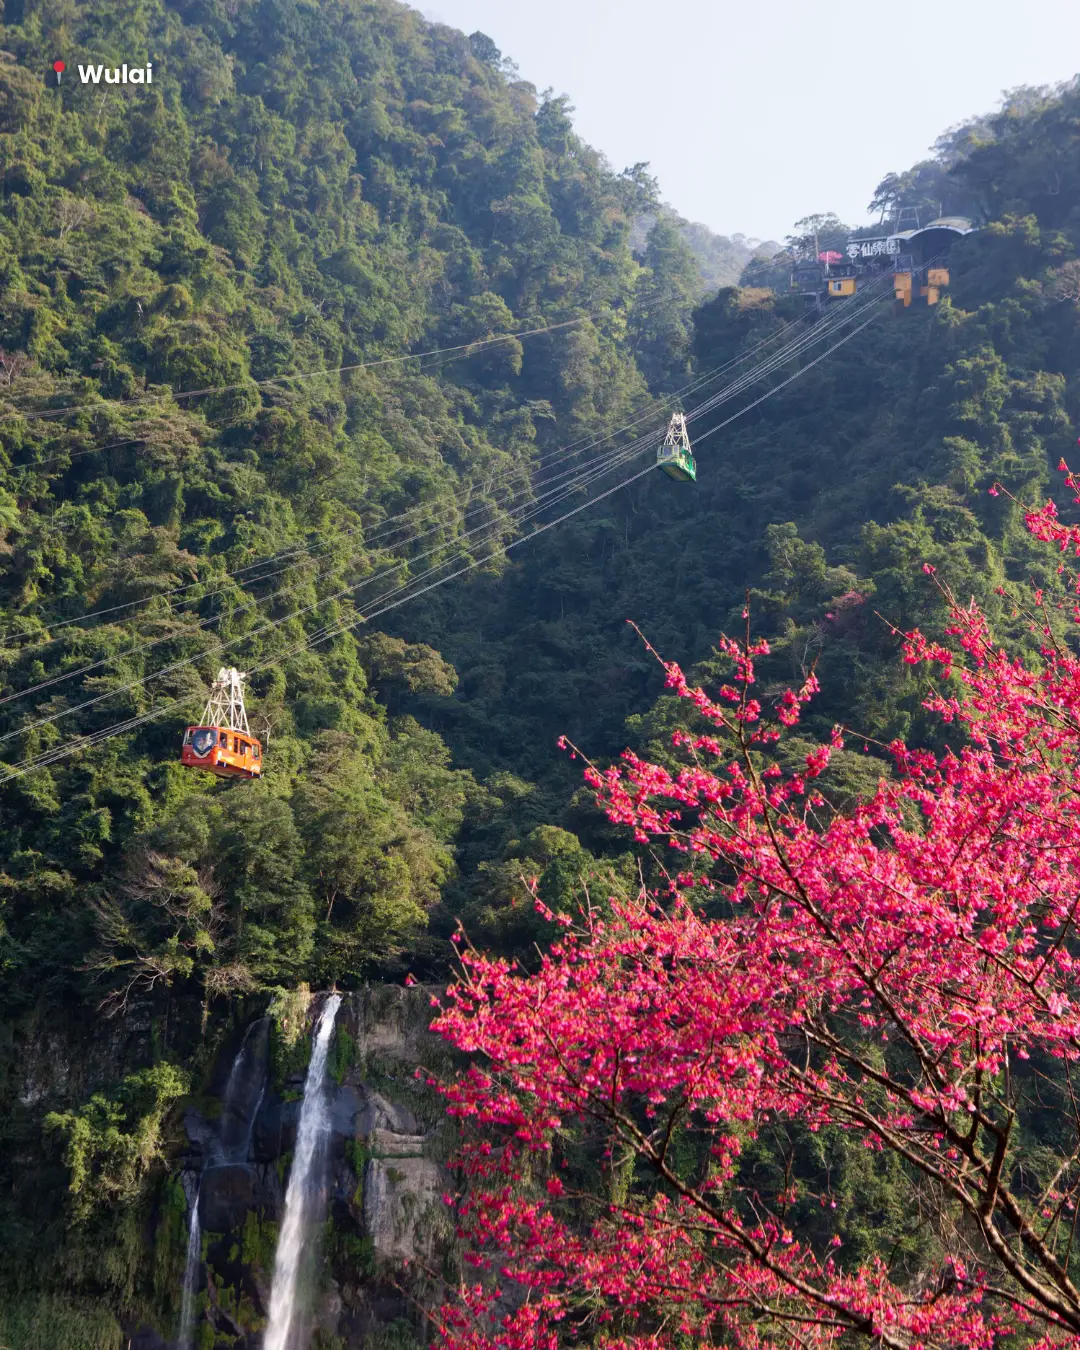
{"points": [[304, 1189], [238, 1110], [186, 1339], [226, 1150], [234, 1073]]}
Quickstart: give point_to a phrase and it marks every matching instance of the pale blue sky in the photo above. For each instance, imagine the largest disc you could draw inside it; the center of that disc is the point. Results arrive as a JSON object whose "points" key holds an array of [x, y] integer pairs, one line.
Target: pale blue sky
{"points": [[752, 114]]}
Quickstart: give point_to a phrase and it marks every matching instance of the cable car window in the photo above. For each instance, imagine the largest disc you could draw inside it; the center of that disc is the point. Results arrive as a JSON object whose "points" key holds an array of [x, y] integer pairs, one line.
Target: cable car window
{"points": [[187, 736], [255, 751], [203, 739], [223, 739]]}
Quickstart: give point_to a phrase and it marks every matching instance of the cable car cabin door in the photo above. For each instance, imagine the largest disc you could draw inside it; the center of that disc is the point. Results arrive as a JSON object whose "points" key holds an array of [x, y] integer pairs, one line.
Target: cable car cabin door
{"points": [[221, 751]]}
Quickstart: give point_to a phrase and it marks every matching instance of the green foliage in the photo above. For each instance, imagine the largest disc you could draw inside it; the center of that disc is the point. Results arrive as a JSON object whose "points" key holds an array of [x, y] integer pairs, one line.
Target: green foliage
{"points": [[290, 1045], [49, 1321], [170, 1240], [399, 1335], [259, 1242], [352, 1254], [155, 925], [111, 1143], [357, 1155], [720, 260], [342, 1054], [375, 872], [307, 188], [825, 504], [660, 324], [239, 1307], [246, 221], [551, 865], [819, 233]]}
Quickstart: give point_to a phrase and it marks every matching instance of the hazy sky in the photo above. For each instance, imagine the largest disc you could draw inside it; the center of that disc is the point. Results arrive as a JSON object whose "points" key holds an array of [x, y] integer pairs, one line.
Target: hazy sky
{"points": [[752, 115]]}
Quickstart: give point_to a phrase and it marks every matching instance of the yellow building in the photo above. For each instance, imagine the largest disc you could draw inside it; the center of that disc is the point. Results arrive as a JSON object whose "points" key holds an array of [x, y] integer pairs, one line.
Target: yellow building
{"points": [[918, 259]]}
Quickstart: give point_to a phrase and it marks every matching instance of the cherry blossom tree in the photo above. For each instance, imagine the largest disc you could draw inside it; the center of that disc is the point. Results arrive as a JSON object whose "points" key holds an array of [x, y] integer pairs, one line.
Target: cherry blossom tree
{"points": [[903, 977]]}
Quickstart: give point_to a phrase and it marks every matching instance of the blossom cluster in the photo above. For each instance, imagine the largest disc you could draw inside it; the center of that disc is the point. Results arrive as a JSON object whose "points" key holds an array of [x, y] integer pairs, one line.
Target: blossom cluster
{"points": [[905, 972]]}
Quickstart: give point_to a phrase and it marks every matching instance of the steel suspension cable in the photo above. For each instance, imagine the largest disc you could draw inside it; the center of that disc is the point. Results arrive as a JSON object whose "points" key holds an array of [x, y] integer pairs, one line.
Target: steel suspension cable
{"points": [[605, 465], [384, 527], [56, 753]]}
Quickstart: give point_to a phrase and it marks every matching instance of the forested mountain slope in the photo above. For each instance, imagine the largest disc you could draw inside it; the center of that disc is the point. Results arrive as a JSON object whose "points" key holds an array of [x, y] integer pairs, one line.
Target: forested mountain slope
{"points": [[827, 500], [300, 189], [323, 189]]}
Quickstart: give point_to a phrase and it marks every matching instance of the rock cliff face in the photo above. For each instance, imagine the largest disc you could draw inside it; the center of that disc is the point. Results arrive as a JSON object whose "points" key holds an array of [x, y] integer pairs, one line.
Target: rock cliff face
{"points": [[386, 1243]]}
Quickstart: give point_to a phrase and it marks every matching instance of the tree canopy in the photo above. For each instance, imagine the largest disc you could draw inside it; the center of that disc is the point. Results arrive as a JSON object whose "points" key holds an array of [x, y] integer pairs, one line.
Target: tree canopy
{"points": [[221, 442], [681, 1091]]}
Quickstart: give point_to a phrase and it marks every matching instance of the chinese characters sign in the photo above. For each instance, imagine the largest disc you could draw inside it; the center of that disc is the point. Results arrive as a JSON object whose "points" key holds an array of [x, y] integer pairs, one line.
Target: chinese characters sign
{"points": [[872, 248]]}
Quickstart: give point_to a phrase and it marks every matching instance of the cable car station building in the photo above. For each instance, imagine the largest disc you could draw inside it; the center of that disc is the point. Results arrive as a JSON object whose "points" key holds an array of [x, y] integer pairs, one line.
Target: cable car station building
{"points": [[916, 257]]}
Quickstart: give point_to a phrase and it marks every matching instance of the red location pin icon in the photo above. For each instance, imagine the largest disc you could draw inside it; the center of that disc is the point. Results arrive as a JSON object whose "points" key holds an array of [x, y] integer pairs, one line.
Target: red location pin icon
{"points": [[59, 67]]}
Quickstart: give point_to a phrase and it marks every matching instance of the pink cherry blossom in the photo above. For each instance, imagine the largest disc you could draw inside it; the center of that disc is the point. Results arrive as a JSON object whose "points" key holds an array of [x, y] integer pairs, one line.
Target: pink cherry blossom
{"points": [[907, 973]]}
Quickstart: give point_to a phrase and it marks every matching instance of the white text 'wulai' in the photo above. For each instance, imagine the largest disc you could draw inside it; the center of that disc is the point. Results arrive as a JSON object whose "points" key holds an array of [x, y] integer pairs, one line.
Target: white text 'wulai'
{"points": [[125, 74]]}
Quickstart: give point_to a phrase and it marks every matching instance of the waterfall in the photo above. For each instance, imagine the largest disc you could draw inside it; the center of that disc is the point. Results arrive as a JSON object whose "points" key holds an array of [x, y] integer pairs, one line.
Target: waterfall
{"points": [[237, 1064], [243, 1094], [304, 1189], [233, 1143], [186, 1339]]}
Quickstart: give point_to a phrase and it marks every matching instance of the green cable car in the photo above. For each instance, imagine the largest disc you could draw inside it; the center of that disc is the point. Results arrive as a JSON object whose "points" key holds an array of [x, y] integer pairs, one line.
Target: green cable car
{"points": [[674, 455]]}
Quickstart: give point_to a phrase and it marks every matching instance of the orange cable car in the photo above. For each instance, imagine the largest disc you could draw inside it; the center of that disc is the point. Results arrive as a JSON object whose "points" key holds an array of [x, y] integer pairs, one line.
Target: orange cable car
{"points": [[222, 743]]}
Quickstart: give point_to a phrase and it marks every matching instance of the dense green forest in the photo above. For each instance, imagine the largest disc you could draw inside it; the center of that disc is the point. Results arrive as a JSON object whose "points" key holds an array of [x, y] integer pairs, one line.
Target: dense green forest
{"points": [[363, 187], [304, 189], [825, 502]]}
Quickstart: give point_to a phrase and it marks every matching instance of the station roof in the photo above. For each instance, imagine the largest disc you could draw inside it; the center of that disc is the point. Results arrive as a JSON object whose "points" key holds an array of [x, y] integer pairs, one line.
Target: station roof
{"points": [[958, 224]]}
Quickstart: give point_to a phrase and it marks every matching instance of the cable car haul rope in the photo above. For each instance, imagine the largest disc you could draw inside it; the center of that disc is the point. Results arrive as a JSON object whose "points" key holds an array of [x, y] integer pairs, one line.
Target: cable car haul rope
{"points": [[222, 743]]}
